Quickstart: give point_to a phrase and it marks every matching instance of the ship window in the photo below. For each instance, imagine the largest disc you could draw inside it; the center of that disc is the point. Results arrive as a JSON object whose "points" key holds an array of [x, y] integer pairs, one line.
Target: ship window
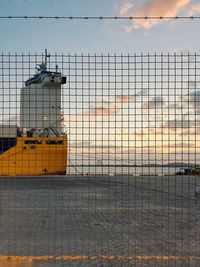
{"points": [[32, 142], [54, 142], [6, 144]]}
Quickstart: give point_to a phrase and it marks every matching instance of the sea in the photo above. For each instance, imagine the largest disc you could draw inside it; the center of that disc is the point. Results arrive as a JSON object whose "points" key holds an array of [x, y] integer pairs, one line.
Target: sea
{"points": [[117, 170]]}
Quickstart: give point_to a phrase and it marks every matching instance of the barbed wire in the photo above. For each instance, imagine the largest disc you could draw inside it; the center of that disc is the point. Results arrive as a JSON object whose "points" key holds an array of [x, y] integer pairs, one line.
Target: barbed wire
{"points": [[104, 17]]}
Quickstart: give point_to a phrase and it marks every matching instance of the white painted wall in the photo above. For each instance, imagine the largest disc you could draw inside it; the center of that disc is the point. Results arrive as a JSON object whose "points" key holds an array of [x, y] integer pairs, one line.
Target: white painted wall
{"points": [[40, 106]]}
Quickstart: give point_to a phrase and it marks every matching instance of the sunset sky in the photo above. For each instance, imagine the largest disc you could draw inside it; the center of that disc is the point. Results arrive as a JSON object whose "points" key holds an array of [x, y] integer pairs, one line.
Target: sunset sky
{"points": [[99, 36], [140, 118]]}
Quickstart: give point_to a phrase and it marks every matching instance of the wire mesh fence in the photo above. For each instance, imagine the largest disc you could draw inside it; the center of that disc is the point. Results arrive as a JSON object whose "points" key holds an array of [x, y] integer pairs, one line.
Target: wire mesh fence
{"points": [[123, 131]]}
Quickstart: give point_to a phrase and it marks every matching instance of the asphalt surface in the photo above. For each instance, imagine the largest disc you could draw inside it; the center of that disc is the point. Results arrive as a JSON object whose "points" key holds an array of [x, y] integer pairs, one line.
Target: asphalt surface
{"points": [[99, 221]]}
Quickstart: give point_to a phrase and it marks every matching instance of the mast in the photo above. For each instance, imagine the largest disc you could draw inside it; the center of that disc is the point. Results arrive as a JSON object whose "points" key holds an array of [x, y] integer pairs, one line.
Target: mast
{"points": [[46, 56]]}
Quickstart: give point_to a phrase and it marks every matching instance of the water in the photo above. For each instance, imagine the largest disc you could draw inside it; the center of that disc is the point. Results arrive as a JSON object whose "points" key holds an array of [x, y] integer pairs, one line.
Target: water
{"points": [[130, 170]]}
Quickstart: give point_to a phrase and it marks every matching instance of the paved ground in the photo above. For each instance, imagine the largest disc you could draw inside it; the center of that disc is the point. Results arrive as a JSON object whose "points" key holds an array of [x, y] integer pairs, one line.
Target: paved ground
{"points": [[99, 221]]}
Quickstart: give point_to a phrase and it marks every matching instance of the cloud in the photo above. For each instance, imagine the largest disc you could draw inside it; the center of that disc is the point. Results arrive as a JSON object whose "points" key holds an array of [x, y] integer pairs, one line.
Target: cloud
{"points": [[180, 145], [105, 99], [100, 150], [190, 83], [102, 111], [167, 8], [174, 124], [124, 8], [154, 102], [194, 10], [124, 98], [176, 105], [182, 126], [195, 98], [143, 92], [117, 99]]}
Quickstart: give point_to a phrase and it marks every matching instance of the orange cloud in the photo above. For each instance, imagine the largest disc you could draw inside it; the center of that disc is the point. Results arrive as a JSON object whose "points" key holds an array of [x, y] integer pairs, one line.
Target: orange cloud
{"points": [[104, 99], [124, 99], [101, 111], [169, 8], [117, 99]]}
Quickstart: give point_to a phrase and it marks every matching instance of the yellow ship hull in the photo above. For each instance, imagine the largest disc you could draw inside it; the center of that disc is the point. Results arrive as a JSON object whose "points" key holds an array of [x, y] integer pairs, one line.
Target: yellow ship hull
{"points": [[35, 156]]}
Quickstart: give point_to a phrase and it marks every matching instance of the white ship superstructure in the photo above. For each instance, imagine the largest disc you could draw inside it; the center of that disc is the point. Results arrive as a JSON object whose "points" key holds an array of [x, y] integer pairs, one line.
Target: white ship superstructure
{"points": [[41, 103]]}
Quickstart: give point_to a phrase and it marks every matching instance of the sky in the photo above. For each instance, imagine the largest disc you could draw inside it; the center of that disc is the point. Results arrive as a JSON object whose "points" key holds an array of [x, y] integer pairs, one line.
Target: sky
{"points": [[99, 36], [141, 118], [144, 109]]}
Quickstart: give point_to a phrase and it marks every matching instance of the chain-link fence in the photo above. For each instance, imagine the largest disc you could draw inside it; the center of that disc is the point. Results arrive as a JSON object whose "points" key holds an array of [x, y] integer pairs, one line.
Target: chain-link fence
{"points": [[123, 132]]}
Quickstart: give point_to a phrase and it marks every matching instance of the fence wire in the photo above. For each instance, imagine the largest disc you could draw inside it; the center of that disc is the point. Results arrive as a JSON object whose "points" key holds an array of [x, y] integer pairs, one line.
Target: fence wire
{"points": [[123, 130], [101, 17]]}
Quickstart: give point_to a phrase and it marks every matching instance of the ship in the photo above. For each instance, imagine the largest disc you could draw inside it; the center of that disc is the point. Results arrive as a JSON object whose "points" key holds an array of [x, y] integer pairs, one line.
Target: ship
{"points": [[38, 146]]}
